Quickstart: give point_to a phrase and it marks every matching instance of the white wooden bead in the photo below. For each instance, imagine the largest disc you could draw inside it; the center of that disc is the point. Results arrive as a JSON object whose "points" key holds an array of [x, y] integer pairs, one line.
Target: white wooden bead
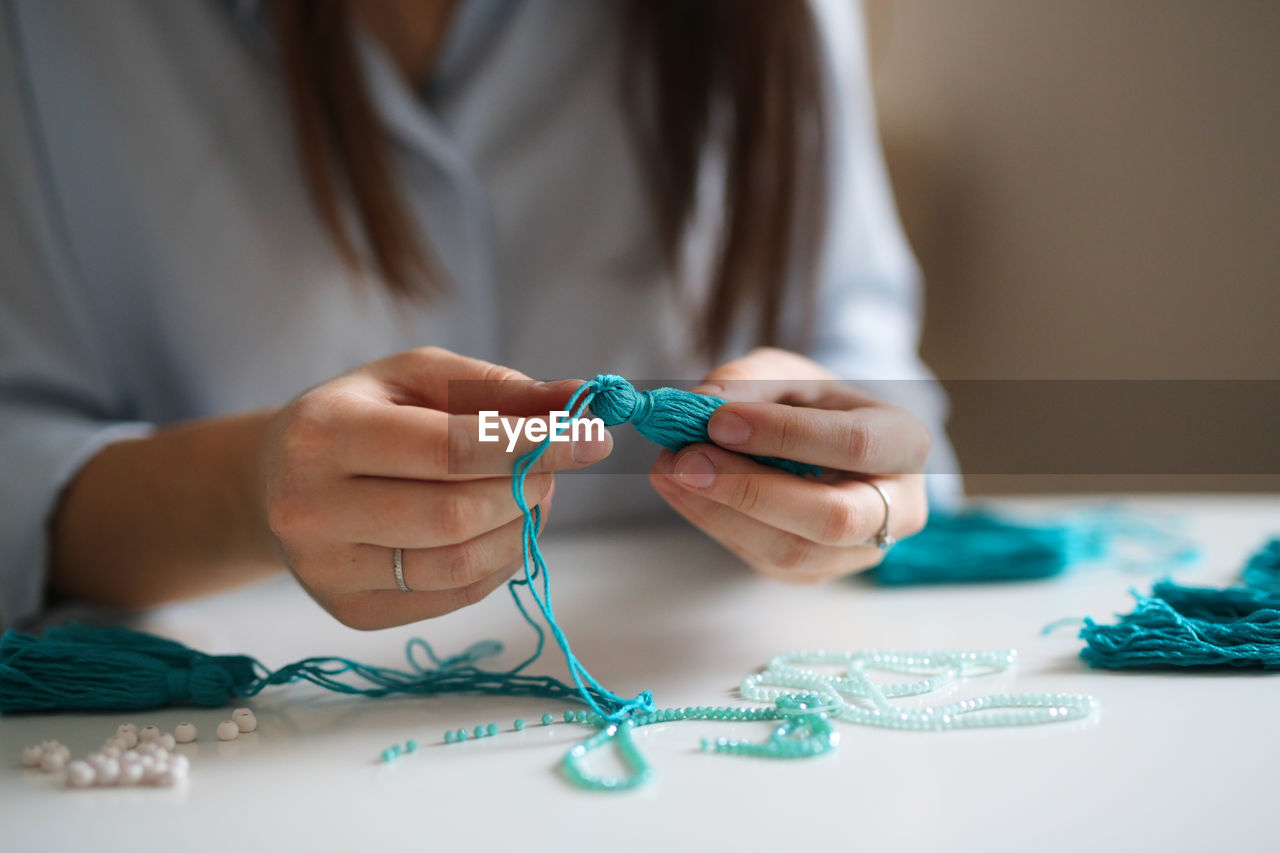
{"points": [[177, 773], [32, 755], [131, 773], [52, 761], [117, 743], [108, 770], [126, 727], [149, 734], [80, 774], [245, 719], [155, 771], [184, 733], [147, 749], [167, 742], [180, 765], [227, 730]]}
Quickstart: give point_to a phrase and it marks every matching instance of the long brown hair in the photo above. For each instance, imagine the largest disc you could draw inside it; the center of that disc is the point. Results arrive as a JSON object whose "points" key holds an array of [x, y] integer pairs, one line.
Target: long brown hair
{"points": [[754, 62]]}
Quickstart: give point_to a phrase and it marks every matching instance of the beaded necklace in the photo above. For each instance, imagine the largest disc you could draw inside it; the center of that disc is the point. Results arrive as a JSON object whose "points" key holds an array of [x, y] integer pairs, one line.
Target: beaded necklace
{"points": [[806, 700]]}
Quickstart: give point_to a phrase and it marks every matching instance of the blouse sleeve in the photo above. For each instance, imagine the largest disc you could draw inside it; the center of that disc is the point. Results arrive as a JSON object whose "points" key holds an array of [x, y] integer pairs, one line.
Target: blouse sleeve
{"points": [[869, 302], [59, 402]]}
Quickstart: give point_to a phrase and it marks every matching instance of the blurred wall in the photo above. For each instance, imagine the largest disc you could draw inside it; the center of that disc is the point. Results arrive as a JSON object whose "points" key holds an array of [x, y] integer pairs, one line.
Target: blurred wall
{"points": [[1093, 190]]}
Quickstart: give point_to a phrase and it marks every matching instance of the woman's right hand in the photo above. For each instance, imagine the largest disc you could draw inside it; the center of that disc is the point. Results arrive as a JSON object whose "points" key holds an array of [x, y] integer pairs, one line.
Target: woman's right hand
{"points": [[388, 456]]}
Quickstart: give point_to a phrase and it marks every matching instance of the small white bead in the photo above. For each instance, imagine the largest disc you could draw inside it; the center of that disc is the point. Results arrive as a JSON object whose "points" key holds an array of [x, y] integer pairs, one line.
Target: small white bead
{"points": [[149, 734], [108, 770], [52, 760], [118, 743], [126, 727], [131, 773], [227, 730], [177, 771], [130, 758], [181, 763], [148, 749], [184, 733], [155, 772], [167, 742], [80, 774], [245, 719], [32, 755]]}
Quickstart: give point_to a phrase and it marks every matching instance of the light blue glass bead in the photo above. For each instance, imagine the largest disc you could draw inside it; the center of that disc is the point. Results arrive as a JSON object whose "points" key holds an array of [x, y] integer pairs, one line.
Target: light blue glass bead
{"points": [[518, 725], [411, 746], [462, 735], [451, 736], [547, 719], [388, 755], [492, 730], [479, 731], [568, 716]]}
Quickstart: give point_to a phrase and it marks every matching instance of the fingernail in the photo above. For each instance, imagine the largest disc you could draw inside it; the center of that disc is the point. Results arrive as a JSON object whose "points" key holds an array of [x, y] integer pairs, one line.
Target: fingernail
{"points": [[558, 385], [710, 388], [591, 451], [728, 428], [696, 469]]}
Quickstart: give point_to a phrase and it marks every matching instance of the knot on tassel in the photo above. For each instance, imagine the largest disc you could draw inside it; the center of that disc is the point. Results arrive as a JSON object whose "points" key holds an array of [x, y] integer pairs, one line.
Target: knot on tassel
{"points": [[669, 417], [617, 401]]}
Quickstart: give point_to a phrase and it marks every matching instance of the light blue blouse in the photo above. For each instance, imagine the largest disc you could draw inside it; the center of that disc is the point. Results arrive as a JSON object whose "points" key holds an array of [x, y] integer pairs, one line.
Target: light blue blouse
{"points": [[159, 259]]}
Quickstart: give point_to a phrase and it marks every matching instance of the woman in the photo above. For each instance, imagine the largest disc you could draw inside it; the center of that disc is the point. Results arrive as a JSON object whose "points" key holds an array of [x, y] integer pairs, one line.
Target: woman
{"points": [[212, 206]]}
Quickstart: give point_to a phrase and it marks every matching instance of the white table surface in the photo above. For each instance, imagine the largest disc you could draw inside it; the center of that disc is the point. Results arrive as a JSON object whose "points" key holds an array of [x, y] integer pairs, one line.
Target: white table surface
{"points": [[1174, 761]]}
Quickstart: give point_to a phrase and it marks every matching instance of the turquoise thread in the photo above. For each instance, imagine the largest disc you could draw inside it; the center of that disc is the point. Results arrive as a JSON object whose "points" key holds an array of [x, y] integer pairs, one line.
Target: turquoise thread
{"points": [[1180, 627], [982, 546]]}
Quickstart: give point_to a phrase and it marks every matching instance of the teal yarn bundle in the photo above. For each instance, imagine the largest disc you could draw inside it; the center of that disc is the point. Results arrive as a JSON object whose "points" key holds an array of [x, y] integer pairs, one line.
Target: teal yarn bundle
{"points": [[87, 668], [980, 546], [1180, 627], [78, 667], [667, 416]]}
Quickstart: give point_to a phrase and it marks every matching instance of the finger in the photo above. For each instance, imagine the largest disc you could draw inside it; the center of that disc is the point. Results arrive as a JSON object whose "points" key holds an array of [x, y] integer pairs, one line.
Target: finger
{"points": [[412, 442], [447, 567], [415, 514], [381, 608], [843, 513], [456, 383], [763, 374], [869, 440], [770, 551]]}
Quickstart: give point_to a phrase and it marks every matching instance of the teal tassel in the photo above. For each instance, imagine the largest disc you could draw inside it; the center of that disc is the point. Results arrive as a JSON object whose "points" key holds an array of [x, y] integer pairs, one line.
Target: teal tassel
{"points": [[1180, 627], [82, 668], [669, 417], [77, 667], [980, 546]]}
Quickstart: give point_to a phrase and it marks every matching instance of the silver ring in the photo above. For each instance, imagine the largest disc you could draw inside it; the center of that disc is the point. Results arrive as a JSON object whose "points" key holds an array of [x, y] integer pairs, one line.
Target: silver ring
{"points": [[883, 540], [399, 563]]}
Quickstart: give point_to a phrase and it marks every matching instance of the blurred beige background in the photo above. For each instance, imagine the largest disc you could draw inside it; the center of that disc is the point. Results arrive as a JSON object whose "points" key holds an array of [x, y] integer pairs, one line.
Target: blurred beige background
{"points": [[1093, 190]]}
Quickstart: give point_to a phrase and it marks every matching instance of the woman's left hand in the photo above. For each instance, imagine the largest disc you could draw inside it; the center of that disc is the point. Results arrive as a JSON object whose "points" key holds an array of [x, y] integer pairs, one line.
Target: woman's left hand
{"points": [[792, 528]]}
